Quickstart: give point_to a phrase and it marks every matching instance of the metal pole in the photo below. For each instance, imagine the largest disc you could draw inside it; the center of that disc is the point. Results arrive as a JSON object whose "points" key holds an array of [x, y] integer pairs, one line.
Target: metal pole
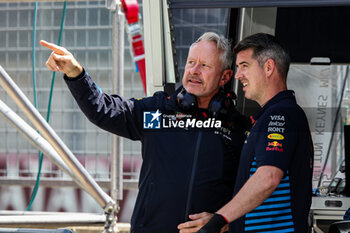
{"points": [[35, 139], [118, 87], [49, 134], [23, 219], [240, 35]]}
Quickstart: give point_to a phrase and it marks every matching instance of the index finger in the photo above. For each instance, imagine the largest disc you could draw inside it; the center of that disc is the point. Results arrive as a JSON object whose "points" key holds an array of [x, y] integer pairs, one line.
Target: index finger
{"points": [[187, 225], [57, 49]]}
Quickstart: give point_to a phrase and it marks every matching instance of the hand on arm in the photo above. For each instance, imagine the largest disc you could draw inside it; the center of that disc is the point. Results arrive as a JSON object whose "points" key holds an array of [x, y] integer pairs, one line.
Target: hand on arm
{"points": [[199, 220], [62, 60], [258, 187]]}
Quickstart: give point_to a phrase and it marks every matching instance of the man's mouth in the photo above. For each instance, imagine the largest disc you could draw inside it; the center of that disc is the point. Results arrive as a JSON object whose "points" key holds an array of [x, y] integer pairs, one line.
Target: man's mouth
{"points": [[245, 84], [195, 81]]}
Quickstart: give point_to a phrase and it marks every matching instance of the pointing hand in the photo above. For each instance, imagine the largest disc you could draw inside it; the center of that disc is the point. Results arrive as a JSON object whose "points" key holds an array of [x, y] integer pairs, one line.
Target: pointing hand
{"points": [[62, 60]]}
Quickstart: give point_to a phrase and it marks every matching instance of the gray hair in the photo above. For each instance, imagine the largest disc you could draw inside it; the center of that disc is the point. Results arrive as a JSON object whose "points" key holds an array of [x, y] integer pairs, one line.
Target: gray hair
{"points": [[222, 44]]}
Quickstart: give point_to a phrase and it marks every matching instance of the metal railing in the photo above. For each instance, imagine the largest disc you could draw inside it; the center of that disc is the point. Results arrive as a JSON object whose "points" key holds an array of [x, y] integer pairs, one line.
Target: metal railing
{"points": [[64, 158]]}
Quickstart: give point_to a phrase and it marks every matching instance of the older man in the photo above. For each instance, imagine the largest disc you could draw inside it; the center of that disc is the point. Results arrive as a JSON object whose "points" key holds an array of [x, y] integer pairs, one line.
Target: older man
{"points": [[191, 140]]}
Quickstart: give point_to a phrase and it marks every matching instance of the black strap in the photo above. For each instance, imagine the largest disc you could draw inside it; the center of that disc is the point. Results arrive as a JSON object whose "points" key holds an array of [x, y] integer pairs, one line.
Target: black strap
{"points": [[214, 225]]}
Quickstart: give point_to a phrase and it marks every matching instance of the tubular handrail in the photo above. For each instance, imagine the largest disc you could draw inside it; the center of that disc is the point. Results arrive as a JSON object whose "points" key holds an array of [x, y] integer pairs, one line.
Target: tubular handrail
{"points": [[89, 184], [35, 139]]}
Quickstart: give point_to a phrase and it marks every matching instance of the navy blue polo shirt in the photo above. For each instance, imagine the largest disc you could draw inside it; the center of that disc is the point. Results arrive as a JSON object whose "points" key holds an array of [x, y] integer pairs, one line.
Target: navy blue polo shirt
{"points": [[280, 137]]}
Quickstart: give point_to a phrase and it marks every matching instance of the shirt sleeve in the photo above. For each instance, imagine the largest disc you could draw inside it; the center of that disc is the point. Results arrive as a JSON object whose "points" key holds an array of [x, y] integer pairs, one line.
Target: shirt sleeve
{"points": [[276, 141], [112, 113]]}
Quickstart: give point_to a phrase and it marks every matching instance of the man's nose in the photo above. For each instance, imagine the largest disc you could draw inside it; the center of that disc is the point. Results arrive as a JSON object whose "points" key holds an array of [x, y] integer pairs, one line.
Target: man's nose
{"points": [[238, 74], [195, 69]]}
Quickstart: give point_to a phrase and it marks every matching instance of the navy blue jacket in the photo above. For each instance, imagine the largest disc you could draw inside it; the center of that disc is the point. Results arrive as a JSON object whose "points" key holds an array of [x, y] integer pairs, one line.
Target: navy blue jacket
{"points": [[184, 170]]}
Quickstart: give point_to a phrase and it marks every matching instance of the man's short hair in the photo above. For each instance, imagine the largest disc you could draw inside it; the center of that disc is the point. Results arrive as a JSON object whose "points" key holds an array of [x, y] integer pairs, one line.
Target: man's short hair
{"points": [[266, 46], [222, 44]]}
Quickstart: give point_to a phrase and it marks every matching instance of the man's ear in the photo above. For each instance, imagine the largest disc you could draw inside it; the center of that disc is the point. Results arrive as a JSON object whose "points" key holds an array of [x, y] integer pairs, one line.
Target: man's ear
{"points": [[269, 67], [225, 77]]}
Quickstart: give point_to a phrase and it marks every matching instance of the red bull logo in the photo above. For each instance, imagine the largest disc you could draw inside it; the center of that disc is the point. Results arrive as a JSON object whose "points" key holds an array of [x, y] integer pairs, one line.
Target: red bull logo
{"points": [[274, 143], [274, 146]]}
